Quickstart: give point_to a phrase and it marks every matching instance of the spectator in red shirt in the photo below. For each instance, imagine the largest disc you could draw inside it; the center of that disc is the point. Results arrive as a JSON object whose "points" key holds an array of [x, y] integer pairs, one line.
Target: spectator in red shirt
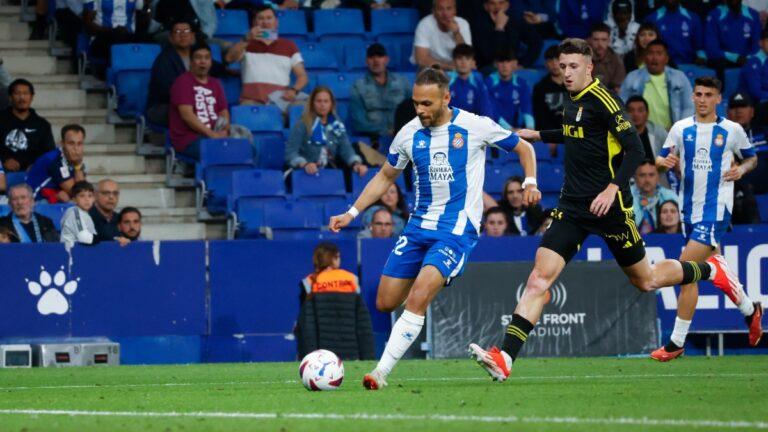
{"points": [[198, 105]]}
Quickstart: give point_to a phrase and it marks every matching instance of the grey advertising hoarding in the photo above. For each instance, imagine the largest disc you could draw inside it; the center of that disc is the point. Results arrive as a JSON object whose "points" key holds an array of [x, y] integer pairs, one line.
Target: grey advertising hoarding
{"points": [[593, 311]]}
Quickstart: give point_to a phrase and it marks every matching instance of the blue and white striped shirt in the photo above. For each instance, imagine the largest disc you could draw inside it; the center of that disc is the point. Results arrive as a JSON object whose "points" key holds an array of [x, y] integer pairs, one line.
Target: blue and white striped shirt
{"points": [[114, 13], [449, 169]]}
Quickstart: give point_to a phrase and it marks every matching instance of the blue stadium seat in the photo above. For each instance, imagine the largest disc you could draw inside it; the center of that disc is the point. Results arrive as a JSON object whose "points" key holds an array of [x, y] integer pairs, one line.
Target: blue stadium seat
{"points": [[549, 200], [232, 87], [406, 50], [14, 178], [300, 220], [394, 21], [751, 229], [551, 177], [531, 76], [358, 183], [731, 84], [393, 51], [231, 25], [410, 76], [342, 109], [258, 183], [762, 206], [261, 120], [339, 83], [293, 24], [250, 218], [319, 57], [324, 187], [129, 76], [354, 57], [497, 175], [271, 151], [53, 211], [337, 24], [693, 71], [5, 209], [219, 158]]}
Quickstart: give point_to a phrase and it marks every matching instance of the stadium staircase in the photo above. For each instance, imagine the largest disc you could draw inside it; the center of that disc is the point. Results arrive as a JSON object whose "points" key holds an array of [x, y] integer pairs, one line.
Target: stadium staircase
{"points": [[110, 150]]}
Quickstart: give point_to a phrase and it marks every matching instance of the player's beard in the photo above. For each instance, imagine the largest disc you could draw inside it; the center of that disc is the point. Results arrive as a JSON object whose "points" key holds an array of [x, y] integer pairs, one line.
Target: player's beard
{"points": [[433, 119]]}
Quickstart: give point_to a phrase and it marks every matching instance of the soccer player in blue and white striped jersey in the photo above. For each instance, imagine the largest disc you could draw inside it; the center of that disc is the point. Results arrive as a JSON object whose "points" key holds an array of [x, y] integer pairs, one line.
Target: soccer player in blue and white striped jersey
{"points": [[706, 147], [447, 148]]}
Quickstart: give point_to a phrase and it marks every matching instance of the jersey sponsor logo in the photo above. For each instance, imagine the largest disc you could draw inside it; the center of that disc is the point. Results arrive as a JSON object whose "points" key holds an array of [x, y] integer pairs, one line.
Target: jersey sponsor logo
{"points": [[573, 131], [719, 140], [458, 141], [621, 123], [205, 106], [421, 144], [440, 170], [702, 162], [578, 113]]}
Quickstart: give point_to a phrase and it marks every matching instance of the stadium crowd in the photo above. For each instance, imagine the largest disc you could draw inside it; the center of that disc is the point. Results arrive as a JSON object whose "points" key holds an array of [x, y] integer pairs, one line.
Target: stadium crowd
{"points": [[501, 56]]}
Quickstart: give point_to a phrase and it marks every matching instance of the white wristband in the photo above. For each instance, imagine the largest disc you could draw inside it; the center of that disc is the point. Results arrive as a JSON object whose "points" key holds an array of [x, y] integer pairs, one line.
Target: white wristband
{"points": [[353, 212], [529, 181]]}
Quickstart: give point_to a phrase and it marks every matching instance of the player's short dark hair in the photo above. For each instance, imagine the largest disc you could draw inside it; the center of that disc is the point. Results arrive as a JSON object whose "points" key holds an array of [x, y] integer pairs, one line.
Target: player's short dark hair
{"points": [[648, 26], [551, 53], [658, 42], [81, 186], [574, 46], [708, 81], [128, 210], [647, 161], [72, 127], [191, 21], [504, 54], [256, 10], [18, 82], [637, 98], [600, 27], [433, 75], [199, 45], [463, 50]]}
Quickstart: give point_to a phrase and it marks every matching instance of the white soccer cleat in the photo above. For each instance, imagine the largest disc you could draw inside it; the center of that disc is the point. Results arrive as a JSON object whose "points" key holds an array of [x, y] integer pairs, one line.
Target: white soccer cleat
{"points": [[374, 380], [497, 363]]}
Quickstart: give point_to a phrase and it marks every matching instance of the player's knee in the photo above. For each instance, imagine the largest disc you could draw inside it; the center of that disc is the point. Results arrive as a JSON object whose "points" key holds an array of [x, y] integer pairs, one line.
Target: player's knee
{"points": [[385, 305], [643, 284]]}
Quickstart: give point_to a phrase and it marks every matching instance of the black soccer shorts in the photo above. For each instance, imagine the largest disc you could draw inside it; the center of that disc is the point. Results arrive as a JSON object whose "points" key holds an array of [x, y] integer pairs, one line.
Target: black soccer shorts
{"points": [[572, 222]]}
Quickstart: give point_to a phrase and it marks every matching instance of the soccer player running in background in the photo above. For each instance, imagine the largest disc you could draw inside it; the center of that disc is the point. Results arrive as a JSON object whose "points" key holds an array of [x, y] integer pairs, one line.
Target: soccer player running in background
{"points": [[705, 146], [447, 147], [602, 151]]}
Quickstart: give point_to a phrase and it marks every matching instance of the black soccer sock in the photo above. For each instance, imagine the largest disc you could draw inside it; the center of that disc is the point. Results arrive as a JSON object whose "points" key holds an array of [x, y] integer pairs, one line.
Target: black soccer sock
{"points": [[694, 272], [516, 334], [671, 346]]}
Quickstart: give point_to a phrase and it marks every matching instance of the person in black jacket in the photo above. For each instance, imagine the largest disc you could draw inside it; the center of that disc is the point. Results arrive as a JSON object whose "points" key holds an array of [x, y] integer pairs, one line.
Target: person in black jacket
{"points": [[169, 64], [103, 212], [496, 28], [522, 220], [26, 225], [333, 316], [24, 135]]}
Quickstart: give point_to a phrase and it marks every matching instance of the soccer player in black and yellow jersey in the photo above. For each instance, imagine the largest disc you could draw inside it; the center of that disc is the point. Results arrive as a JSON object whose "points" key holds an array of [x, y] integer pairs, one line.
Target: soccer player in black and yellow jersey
{"points": [[602, 151]]}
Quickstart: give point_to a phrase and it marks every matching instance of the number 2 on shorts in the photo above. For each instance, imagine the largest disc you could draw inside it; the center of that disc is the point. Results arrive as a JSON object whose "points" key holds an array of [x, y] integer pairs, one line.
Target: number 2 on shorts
{"points": [[402, 241]]}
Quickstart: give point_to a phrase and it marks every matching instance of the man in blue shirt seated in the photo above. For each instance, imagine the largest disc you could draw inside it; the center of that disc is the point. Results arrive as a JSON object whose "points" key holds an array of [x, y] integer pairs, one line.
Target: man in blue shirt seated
{"points": [[681, 30], [732, 34], [374, 97], [511, 94], [648, 195], [53, 174], [468, 91]]}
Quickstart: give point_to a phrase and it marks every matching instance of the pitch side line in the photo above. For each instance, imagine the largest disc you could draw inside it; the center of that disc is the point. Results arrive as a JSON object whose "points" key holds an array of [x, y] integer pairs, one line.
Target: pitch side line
{"points": [[644, 421], [442, 379]]}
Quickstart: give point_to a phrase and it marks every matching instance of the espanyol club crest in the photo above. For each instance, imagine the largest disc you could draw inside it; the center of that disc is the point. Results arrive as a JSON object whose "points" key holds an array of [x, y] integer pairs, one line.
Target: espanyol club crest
{"points": [[719, 140], [458, 141]]}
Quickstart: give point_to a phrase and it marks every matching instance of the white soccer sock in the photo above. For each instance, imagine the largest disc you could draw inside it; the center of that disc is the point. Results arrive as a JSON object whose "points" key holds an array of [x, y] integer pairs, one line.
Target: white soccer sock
{"points": [[680, 331], [713, 271], [746, 306], [404, 332]]}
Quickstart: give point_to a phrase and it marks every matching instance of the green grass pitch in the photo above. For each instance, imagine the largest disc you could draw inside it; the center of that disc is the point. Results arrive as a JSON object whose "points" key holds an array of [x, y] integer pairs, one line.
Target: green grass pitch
{"points": [[596, 394]]}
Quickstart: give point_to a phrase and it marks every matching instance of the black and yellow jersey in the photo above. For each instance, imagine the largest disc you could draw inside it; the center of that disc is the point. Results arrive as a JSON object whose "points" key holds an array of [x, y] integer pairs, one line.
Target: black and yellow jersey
{"points": [[597, 134]]}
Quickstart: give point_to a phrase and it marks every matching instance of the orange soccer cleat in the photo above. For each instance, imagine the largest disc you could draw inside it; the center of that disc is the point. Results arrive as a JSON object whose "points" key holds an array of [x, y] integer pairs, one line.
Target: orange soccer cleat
{"points": [[497, 363], [663, 355], [755, 324]]}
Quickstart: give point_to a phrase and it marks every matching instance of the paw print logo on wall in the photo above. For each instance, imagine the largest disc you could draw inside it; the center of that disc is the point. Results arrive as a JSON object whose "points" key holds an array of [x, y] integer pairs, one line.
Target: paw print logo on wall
{"points": [[51, 300]]}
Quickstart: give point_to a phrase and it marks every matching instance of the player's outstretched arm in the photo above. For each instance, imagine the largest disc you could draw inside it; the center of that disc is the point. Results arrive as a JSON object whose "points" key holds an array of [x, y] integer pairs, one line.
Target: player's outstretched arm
{"points": [[738, 171], [531, 194], [372, 192]]}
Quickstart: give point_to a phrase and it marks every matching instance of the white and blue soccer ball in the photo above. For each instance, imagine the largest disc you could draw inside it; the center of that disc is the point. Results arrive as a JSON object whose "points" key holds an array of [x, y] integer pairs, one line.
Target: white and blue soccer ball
{"points": [[321, 370]]}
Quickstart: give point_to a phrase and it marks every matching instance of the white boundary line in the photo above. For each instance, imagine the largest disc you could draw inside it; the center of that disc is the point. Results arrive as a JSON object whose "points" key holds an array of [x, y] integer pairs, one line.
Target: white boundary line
{"points": [[435, 379], [643, 421]]}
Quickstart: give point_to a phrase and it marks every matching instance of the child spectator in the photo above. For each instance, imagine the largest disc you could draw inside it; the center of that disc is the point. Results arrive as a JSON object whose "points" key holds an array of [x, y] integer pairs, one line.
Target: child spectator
{"points": [[468, 91], [623, 26], [76, 224], [511, 95], [495, 223], [320, 139], [669, 218]]}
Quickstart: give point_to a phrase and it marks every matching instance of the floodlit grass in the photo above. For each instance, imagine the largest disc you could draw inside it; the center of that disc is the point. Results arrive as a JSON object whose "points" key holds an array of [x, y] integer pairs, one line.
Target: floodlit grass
{"points": [[596, 394]]}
